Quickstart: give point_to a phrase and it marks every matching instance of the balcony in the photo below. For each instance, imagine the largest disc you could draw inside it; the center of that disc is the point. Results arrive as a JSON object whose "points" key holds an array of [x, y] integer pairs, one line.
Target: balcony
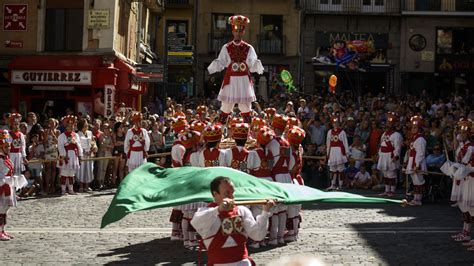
{"points": [[437, 7], [215, 43], [271, 46], [353, 7], [178, 3]]}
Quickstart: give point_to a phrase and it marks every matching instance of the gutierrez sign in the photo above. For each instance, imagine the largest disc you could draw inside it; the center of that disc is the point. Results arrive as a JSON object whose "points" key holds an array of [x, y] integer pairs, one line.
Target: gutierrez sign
{"points": [[47, 77]]}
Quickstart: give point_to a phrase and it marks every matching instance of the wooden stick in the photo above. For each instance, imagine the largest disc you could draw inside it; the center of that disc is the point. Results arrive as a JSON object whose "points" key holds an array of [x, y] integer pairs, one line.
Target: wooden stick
{"points": [[252, 202]]}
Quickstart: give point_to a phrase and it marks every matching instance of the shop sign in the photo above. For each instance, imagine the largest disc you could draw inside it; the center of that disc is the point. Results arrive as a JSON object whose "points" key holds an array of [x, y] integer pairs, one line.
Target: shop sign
{"points": [[109, 96], [326, 39], [51, 77], [13, 44], [15, 17], [98, 19], [427, 56]]}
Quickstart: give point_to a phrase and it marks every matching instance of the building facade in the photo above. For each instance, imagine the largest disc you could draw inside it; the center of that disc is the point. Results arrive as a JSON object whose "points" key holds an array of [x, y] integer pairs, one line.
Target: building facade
{"points": [[328, 22], [437, 52], [77, 54]]}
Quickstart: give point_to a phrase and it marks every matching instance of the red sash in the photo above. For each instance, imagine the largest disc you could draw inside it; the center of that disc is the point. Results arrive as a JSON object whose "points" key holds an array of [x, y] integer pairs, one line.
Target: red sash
{"points": [[239, 159], [335, 141], [296, 171], [139, 133], [16, 138], [238, 55], [211, 158], [412, 152], [8, 164], [463, 150], [264, 169], [216, 253], [69, 146], [5, 188], [279, 167]]}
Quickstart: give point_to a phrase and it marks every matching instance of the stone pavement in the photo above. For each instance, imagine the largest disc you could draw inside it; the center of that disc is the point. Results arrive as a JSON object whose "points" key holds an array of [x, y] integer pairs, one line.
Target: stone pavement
{"points": [[65, 230]]}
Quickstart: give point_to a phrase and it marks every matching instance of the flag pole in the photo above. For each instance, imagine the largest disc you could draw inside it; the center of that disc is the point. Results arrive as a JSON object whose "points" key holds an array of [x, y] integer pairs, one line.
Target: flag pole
{"points": [[253, 202]]}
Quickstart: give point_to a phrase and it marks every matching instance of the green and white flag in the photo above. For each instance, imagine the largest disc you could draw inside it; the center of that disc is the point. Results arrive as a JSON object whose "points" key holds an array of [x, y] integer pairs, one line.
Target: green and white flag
{"points": [[151, 186]]}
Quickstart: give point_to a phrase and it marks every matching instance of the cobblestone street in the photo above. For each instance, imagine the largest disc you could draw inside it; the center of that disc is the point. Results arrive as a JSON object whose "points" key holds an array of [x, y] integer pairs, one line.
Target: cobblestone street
{"points": [[66, 230]]}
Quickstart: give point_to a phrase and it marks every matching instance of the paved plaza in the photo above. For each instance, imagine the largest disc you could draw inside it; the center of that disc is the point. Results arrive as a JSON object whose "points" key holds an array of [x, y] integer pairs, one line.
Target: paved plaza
{"points": [[65, 230]]}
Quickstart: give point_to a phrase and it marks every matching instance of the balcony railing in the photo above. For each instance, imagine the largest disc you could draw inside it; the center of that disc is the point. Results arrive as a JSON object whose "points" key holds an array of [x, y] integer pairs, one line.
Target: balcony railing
{"points": [[437, 6], [215, 43], [353, 7], [271, 46]]}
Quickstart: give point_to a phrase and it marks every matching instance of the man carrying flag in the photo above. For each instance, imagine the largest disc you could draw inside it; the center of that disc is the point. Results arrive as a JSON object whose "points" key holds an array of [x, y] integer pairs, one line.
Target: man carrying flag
{"points": [[225, 226]]}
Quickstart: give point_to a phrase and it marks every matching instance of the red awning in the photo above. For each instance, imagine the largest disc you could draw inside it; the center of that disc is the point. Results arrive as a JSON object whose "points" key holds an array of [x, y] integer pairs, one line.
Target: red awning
{"points": [[56, 62]]}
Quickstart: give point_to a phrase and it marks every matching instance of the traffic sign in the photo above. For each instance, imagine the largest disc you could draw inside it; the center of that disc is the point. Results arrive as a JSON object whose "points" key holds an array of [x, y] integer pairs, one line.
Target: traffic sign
{"points": [[15, 17]]}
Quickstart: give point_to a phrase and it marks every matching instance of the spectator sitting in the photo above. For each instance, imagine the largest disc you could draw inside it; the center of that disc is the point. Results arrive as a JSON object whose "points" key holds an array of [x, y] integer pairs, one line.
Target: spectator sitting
{"points": [[350, 173], [362, 179], [436, 158], [357, 150]]}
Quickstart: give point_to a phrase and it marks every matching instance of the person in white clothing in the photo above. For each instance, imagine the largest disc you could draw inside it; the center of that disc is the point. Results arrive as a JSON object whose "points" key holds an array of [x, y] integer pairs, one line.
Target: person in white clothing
{"points": [[211, 155], [225, 226], [337, 152], [236, 157], [136, 143], [85, 175], [18, 145], [416, 165], [260, 164], [8, 183], [70, 154], [280, 148], [296, 136], [389, 155], [464, 173], [239, 59], [461, 139]]}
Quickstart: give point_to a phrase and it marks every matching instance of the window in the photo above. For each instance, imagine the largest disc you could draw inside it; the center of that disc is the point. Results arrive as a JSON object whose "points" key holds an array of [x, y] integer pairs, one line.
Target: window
{"points": [[330, 5], [64, 27], [373, 6], [177, 32], [271, 34], [464, 5], [221, 31], [455, 41], [428, 5]]}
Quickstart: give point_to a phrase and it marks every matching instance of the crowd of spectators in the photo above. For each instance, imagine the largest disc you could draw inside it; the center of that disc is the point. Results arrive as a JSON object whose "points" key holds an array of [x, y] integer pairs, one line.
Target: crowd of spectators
{"points": [[363, 119]]}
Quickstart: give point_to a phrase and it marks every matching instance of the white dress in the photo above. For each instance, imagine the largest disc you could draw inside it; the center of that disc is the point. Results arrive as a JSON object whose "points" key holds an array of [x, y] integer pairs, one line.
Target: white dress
{"points": [[139, 141], [336, 156], [385, 162], [419, 146], [240, 88], [70, 166], [457, 188], [86, 171], [466, 203], [8, 185], [17, 153]]}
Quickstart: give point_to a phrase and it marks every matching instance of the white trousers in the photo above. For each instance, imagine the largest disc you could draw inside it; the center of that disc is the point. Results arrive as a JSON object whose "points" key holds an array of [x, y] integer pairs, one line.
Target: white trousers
{"points": [[227, 107]]}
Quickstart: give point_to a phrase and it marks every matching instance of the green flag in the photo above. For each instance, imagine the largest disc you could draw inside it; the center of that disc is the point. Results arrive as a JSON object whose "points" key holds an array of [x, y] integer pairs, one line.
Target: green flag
{"points": [[151, 186]]}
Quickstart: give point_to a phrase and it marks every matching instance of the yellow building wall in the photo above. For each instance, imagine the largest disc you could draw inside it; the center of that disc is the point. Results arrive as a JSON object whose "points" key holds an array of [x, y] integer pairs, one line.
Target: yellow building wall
{"points": [[27, 37]]}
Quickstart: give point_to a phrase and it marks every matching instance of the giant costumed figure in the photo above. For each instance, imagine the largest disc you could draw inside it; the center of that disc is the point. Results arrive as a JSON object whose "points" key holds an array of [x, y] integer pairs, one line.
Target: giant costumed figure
{"points": [[239, 59]]}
